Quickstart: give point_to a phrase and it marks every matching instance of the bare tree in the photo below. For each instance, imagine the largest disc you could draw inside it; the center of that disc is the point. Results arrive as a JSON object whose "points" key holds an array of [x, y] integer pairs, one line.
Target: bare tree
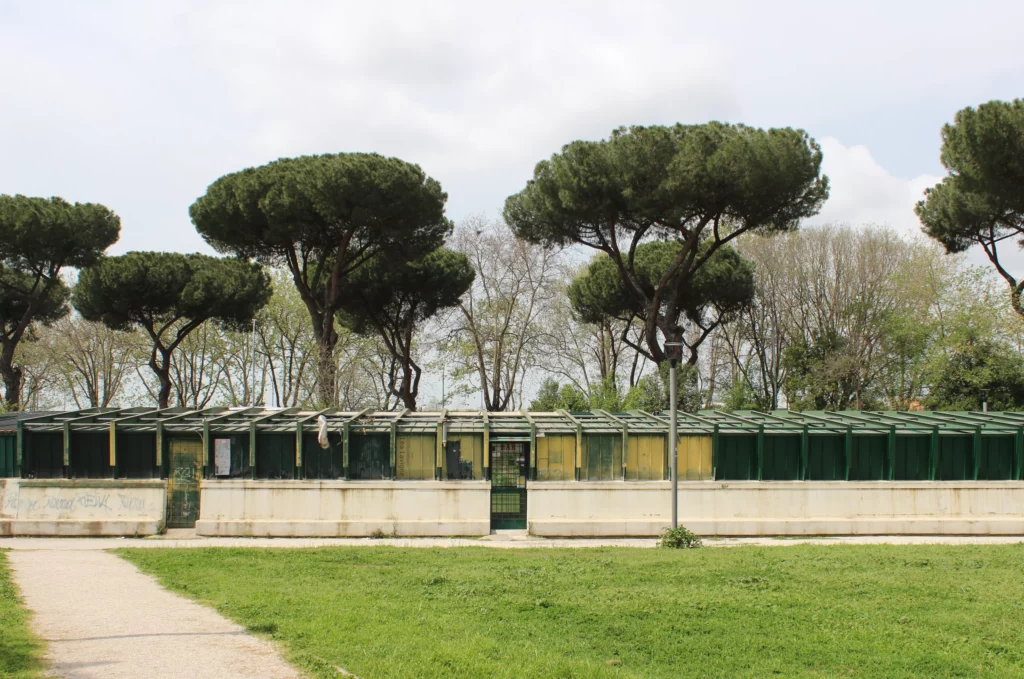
{"points": [[585, 354], [494, 334], [842, 288], [196, 370], [41, 386], [93, 361], [288, 344]]}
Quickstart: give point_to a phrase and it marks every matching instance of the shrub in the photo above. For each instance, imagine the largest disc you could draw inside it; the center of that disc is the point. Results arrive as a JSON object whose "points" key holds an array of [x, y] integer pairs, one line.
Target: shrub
{"points": [[680, 538]]}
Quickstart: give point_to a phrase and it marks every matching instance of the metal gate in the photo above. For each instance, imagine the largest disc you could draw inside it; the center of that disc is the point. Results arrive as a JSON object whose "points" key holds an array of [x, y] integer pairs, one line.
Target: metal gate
{"points": [[183, 484], [508, 485]]}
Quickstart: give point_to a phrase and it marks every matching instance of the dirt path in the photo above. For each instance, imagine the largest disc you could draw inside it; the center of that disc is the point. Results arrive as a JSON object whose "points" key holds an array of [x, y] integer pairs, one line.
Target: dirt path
{"points": [[101, 617]]}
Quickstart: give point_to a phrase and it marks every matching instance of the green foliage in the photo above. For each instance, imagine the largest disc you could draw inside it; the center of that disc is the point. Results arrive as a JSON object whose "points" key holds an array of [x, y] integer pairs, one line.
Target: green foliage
{"points": [[39, 237], [725, 282], [689, 395], [649, 394], [391, 299], [324, 217], [984, 150], [151, 289], [974, 365], [680, 538], [346, 207], [741, 396], [824, 374], [606, 395], [694, 185], [48, 304], [675, 177], [399, 295], [551, 397], [170, 295], [981, 201], [20, 652], [43, 235], [808, 610]]}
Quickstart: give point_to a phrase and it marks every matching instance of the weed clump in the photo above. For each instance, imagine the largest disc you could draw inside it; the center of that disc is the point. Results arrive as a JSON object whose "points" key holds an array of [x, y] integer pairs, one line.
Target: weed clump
{"points": [[680, 538]]}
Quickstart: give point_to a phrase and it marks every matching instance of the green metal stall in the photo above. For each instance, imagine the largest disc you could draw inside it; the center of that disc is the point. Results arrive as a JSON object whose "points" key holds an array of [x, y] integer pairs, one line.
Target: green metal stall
{"points": [[742, 445]]}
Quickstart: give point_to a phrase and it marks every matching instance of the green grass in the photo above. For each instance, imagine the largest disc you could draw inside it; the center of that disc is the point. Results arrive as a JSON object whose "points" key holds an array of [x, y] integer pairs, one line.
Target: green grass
{"points": [[20, 651], [820, 611]]}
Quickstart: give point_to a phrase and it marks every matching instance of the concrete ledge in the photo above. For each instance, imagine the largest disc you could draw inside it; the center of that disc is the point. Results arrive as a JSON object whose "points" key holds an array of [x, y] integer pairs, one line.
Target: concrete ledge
{"points": [[123, 484], [332, 529], [72, 528], [772, 486], [87, 507], [784, 527], [313, 485], [765, 508], [290, 508]]}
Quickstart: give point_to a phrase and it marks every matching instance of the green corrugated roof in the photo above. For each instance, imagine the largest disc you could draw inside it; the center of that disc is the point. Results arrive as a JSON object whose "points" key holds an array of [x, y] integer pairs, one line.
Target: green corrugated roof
{"points": [[222, 419]]}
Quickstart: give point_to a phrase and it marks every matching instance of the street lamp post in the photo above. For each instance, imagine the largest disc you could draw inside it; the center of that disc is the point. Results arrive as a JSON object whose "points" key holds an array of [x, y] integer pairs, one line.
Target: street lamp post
{"points": [[672, 433]]}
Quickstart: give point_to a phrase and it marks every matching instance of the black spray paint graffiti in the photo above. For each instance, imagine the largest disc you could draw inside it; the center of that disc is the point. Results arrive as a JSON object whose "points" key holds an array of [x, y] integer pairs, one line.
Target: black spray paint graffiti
{"points": [[9, 502], [86, 501], [134, 504], [93, 501]]}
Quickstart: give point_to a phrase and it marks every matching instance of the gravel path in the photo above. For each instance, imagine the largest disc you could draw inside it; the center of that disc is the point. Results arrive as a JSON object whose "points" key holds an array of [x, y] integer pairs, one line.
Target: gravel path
{"points": [[101, 617]]}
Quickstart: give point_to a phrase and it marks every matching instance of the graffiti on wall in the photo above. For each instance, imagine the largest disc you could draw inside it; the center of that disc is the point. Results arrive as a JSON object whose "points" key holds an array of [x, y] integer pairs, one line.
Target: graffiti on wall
{"points": [[51, 503]]}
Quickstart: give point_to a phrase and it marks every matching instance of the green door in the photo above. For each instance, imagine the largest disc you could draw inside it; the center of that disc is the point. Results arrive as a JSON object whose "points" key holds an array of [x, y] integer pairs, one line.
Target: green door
{"points": [[508, 485], [183, 485]]}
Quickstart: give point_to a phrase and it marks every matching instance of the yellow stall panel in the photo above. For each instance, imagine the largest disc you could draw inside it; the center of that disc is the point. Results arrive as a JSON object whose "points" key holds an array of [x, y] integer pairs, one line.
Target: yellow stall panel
{"points": [[695, 458], [556, 457], [415, 456], [645, 457], [471, 450]]}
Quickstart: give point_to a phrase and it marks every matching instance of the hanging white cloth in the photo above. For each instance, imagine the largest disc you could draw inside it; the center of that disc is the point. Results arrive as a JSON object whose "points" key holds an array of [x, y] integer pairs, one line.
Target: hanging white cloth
{"points": [[321, 431]]}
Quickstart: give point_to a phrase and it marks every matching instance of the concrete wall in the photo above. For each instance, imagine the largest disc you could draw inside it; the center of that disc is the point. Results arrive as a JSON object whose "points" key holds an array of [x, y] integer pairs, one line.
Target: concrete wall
{"points": [[81, 507], [717, 508], [344, 508]]}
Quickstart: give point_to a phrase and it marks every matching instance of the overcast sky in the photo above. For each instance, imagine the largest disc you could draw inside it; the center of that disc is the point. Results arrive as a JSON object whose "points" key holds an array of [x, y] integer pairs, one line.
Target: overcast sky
{"points": [[140, 105]]}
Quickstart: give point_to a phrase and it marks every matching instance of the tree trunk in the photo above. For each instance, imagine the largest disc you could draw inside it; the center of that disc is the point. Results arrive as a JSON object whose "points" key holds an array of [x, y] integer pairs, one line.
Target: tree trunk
{"points": [[12, 383], [164, 395], [162, 370], [327, 370], [11, 375], [406, 393]]}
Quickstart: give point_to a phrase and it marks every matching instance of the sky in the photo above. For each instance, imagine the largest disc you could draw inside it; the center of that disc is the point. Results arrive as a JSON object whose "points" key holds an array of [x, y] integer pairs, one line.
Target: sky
{"points": [[141, 105]]}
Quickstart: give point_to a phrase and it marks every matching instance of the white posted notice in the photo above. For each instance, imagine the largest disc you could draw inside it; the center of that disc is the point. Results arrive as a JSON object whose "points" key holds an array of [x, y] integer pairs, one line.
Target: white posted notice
{"points": [[222, 457]]}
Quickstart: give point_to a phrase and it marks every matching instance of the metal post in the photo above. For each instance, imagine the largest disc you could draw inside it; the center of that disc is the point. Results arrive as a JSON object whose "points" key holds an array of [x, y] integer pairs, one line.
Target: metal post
{"points": [[673, 438], [253, 357], [673, 442]]}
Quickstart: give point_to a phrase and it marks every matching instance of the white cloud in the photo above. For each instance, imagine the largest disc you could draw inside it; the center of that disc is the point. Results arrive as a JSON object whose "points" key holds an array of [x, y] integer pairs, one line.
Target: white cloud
{"points": [[863, 192], [141, 105]]}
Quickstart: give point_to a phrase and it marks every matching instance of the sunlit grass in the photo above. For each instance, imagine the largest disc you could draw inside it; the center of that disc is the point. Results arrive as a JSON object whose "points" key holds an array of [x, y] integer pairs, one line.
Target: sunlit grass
{"points": [[20, 651], [824, 611]]}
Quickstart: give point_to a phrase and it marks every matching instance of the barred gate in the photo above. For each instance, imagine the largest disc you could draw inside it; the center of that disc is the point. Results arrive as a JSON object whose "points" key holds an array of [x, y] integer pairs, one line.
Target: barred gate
{"points": [[509, 464]]}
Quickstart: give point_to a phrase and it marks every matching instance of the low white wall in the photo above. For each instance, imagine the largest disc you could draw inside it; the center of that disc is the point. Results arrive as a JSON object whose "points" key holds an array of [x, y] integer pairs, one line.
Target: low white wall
{"points": [[724, 508], [344, 508], [67, 507]]}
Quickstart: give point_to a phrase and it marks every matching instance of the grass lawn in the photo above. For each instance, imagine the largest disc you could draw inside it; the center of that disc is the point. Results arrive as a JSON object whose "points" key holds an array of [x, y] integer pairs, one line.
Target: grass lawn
{"points": [[822, 611], [20, 651]]}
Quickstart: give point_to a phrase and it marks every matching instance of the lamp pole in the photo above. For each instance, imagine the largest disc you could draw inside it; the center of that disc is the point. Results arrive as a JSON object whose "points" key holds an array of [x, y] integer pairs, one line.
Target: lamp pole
{"points": [[254, 362], [672, 433]]}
